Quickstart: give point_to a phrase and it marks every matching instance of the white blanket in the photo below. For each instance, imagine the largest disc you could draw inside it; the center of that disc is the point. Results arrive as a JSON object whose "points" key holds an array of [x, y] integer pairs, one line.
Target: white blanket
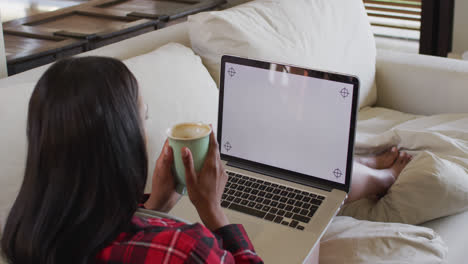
{"points": [[434, 184], [354, 241], [379, 128]]}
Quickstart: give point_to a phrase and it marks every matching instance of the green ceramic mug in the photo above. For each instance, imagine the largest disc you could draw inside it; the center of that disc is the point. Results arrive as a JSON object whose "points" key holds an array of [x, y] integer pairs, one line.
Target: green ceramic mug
{"points": [[196, 137]]}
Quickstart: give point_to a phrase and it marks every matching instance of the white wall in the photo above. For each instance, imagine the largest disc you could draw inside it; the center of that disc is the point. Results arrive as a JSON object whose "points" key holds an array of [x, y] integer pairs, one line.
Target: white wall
{"points": [[460, 27]]}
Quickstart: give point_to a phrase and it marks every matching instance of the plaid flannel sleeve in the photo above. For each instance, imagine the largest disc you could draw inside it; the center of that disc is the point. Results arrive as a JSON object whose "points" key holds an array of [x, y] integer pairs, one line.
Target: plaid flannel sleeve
{"points": [[228, 244], [234, 239]]}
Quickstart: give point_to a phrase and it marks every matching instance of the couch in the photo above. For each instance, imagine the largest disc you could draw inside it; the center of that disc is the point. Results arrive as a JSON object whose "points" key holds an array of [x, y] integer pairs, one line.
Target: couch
{"points": [[410, 83]]}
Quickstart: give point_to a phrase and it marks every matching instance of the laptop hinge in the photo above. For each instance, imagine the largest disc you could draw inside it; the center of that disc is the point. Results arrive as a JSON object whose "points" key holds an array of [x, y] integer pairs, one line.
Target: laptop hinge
{"points": [[278, 175]]}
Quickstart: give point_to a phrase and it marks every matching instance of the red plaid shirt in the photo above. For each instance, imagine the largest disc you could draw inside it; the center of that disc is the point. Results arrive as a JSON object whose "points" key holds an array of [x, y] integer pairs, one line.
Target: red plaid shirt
{"points": [[160, 240]]}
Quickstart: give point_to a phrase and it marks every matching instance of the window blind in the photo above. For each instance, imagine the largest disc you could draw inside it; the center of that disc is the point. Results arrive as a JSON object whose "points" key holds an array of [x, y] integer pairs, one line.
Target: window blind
{"points": [[395, 18]]}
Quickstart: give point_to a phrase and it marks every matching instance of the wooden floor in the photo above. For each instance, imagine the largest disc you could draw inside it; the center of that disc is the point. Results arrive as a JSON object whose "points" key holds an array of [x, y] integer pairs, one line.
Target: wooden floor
{"points": [[13, 9]]}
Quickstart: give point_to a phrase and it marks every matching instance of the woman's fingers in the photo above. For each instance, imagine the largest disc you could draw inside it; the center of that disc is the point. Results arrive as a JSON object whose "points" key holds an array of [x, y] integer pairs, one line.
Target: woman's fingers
{"points": [[168, 157], [213, 151], [190, 174], [213, 144]]}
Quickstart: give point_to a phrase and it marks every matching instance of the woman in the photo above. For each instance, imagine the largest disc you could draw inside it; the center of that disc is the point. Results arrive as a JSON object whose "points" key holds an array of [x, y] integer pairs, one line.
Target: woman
{"points": [[86, 171]]}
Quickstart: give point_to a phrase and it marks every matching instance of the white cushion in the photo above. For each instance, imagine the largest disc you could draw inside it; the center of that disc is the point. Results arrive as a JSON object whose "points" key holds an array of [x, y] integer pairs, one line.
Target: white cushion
{"points": [[421, 84], [332, 35], [434, 184], [454, 231], [352, 241], [14, 102], [173, 82], [177, 88]]}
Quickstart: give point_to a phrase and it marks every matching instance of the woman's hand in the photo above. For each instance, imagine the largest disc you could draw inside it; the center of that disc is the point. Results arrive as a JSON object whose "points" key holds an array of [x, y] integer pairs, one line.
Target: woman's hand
{"points": [[163, 195], [206, 188]]}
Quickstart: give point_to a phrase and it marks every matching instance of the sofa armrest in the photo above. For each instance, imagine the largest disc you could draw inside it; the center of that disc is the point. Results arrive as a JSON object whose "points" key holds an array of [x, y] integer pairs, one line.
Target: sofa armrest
{"points": [[420, 84]]}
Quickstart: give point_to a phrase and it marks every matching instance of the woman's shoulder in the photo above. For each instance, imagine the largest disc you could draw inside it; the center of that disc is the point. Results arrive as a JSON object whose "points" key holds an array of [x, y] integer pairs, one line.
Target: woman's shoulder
{"points": [[154, 226], [143, 223], [156, 230], [153, 239]]}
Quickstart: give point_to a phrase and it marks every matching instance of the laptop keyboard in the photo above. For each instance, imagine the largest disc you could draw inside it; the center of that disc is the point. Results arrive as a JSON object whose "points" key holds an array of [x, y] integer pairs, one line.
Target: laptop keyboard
{"points": [[277, 203]]}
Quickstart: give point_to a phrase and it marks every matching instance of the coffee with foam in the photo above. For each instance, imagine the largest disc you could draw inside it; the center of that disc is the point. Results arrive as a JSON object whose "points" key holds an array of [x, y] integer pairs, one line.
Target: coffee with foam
{"points": [[189, 131], [194, 136]]}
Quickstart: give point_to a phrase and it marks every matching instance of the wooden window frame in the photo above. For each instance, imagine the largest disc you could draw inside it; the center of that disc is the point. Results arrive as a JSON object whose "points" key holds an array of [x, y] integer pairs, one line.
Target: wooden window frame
{"points": [[436, 27]]}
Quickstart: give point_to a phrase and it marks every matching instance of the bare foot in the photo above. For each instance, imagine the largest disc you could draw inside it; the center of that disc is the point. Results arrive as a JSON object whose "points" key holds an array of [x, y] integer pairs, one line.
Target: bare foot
{"points": [[370, 182], [386, 178], [381, 161], [401, 162]]}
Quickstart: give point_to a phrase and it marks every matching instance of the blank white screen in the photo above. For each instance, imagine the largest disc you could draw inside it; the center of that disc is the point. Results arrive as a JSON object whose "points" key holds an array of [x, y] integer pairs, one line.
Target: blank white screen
{"points": [[289, 121]]}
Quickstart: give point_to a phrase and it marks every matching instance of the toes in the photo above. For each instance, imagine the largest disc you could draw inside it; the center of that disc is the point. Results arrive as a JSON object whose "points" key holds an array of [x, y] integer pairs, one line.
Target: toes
{"points": [[401, 157], [387, 158], [404, 158], [393, 153], [380, 161], [409, 158]]}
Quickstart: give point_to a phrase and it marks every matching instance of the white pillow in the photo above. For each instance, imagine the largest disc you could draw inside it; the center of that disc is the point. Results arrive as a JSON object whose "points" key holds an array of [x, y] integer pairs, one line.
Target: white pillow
{"points": [[177, 88], [435, 183], [14, 102], [332, 35], [352, 241], [431, 186], [173, 82]]}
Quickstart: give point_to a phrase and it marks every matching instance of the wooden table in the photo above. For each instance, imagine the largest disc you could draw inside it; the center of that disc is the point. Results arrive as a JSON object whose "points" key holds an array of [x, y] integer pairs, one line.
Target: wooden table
{"points": [[40, 39]]}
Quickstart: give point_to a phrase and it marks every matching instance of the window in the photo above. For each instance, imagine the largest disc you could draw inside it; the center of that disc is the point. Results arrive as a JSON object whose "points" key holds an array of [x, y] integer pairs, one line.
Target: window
{"points": [[395, 19], [429, 22]]}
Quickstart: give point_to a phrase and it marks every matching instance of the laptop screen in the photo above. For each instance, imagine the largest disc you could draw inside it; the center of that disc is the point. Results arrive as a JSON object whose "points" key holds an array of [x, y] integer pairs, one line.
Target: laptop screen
{"points": [[288, 117]]}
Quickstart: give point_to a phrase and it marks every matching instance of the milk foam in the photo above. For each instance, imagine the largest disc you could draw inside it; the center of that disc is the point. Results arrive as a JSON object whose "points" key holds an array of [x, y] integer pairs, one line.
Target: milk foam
{"points": [[190, 130]]}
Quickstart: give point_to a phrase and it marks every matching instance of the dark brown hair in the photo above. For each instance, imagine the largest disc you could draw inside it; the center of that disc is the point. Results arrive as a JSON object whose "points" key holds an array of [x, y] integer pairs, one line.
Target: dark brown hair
{"points": [[86, 164]]}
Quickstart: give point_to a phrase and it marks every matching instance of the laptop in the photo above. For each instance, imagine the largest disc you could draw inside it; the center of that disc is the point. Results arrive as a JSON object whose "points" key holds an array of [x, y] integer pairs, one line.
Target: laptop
{"points": [[286, 136]]}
